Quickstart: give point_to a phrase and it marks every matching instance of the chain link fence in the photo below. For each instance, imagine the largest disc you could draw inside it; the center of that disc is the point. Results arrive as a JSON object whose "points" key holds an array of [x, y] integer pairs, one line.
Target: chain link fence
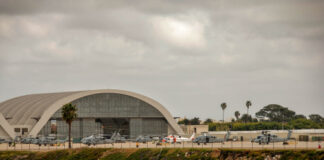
{"points": [[292, 145]]}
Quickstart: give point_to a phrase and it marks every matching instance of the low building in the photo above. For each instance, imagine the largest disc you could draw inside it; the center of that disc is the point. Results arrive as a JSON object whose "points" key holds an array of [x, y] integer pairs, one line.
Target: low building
{"points": [[197, 129]]}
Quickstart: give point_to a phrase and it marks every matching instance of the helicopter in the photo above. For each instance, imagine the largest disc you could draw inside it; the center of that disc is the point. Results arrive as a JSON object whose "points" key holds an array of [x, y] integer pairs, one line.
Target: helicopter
{"points": [[211, 139], [101, 139], [266, 138], [145, 139]]}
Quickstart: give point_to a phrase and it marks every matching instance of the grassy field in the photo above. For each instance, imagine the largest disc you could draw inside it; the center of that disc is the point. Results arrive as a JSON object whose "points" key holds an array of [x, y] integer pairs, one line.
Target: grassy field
{"points": [[156, 154]]}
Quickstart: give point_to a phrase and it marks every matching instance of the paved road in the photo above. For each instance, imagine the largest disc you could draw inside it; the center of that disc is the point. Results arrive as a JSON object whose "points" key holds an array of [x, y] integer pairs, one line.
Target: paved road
{"points": [[234, 145]]}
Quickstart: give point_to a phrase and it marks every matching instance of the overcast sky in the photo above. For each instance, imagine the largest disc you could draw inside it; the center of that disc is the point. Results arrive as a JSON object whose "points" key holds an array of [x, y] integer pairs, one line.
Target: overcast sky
{"points": [[188, 55]]}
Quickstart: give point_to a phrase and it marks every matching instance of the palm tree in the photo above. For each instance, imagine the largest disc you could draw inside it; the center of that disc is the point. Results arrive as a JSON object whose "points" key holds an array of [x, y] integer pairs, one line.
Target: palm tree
{"points": [[248, 104], [223, 106], [237, 115], [69, 114]]}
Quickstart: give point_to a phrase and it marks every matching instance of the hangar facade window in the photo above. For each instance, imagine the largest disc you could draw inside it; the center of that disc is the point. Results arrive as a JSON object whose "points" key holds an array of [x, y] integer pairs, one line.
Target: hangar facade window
{"points": [[24, 131], [17, 130]]}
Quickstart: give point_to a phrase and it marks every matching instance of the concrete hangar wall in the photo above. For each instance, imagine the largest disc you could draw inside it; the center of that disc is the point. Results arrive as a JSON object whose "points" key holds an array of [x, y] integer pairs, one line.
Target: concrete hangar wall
{"points": [[99, 112]]}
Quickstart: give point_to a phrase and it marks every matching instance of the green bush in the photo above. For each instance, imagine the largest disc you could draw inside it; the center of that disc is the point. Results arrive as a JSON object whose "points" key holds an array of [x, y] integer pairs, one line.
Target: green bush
{"points": [[15, 155], [115, 156], [144, 154], [304, 124], [86, 154], [53, 155]]}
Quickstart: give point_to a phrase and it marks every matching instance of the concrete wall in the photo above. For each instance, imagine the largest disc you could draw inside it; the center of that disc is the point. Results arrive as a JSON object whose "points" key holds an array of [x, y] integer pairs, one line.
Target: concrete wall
{"points": [[3, 133], [189, 129]]}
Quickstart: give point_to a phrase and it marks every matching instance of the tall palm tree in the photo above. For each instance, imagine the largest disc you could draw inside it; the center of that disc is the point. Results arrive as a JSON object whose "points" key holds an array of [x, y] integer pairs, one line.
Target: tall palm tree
{"points": [[223, 106], [248, 104], [69, 114], [237, 115]]}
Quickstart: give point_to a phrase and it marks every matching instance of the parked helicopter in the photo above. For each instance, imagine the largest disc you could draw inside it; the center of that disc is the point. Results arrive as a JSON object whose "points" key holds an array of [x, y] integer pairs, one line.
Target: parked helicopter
{"points": [[10, 142], [211, 139], [94, 139], [179, 139], [27, 140], [117, 138], [2, 140], [101, 139], [266, 138], [145, 139], [43, 140]]}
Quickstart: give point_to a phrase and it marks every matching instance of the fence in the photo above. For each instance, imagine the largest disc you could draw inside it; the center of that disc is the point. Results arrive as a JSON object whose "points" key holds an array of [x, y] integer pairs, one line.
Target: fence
{"points": [[292, 144]]}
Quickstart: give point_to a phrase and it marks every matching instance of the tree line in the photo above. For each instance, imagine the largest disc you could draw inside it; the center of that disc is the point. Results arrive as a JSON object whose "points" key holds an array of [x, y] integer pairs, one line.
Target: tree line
{"points": [[272, 116]]}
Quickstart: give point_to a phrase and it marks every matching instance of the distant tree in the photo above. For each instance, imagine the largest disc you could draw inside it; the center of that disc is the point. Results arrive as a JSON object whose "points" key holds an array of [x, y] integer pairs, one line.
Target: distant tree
{"points": [[246, 118], [254, 120], [248, 104], [223, 106], [300, 116], [195, 121], [237, 115], [208, 120], [316, 118], [304, 124], [69, 114], [185, 121], [254, 125], [275, 112]]}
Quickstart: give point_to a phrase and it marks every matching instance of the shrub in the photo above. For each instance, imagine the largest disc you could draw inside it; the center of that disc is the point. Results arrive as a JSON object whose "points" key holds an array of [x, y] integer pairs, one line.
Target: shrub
{"points": [[115, 156]]}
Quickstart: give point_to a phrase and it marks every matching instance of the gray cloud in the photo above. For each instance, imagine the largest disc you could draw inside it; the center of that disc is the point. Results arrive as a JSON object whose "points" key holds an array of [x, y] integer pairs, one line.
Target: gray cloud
{"points": [[191, 56]]}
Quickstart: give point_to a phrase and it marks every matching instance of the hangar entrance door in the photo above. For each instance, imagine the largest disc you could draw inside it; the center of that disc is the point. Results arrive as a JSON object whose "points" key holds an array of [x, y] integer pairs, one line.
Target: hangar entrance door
{"points": [[110, 125]]}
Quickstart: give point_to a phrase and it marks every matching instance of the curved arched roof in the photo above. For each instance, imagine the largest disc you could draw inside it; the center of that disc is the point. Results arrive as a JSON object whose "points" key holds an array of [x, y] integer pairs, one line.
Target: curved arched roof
{"points": [[26, 110]]}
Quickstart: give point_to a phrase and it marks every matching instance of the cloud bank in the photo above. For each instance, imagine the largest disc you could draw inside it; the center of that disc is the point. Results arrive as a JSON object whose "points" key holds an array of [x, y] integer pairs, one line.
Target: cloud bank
{"points": [[190, 56]]}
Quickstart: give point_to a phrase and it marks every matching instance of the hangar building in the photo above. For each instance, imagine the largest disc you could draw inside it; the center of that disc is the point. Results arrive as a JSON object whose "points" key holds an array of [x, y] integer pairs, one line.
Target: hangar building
{"points": [[99, 112]]}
